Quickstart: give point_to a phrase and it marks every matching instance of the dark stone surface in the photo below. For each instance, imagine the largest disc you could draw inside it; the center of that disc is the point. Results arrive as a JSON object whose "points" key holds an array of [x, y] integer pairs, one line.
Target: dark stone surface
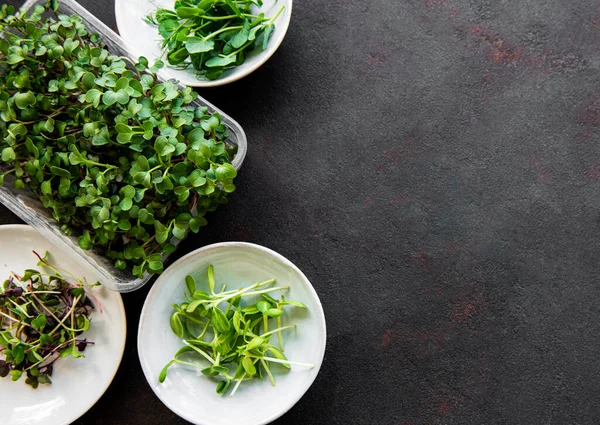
{"points": [[433, 166]]}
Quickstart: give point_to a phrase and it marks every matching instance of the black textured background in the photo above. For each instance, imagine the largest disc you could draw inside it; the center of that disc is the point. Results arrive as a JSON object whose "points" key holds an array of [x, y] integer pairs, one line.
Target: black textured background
{"points": [[433, 166]]}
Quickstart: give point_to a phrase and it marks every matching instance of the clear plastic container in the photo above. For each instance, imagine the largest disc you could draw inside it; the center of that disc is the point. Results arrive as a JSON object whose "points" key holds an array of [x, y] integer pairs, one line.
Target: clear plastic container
{"points": [[25, 204]]}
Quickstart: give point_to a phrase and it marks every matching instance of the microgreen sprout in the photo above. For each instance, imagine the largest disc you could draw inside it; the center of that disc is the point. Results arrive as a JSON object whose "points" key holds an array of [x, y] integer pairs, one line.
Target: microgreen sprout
{"points": [[226, 340], [42, 317]]}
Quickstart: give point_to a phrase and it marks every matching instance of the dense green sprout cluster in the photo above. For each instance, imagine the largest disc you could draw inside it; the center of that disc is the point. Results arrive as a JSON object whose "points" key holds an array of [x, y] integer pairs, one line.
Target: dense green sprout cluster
{"points": [[121, 160]]}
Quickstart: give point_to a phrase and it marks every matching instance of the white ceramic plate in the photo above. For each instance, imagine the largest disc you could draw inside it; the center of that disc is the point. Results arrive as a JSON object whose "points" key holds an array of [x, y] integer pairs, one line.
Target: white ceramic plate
{"points": [[76, 383], [145, 40], [190, 394]]}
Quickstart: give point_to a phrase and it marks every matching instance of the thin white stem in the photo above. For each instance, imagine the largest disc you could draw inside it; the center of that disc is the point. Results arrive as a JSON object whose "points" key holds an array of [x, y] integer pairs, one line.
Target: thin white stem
{"points": [[42, 292], [274, 360], [52, 352], [12, 318], [277, 330], [197, 366], [196, 349], [264, 291], [19, 307], [242, 291], [279, 337], [237, 385], [266, 366]]}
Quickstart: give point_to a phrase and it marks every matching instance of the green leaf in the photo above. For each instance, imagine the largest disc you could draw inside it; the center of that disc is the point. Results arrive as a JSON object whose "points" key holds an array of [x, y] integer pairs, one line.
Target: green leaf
{"points": [[176, 325], [70, 45], [93, 96], [15, 374], [109, 98], [122, 84], [46, 187], [189, 12], [15, 58], [104, 214], [61, 172], [263, 306], [24, 100], [255, 343], [266, 35], [177, 56], [190, 283], [278, 354], [250, 310], [18, 354], [254, 32], [142, 162], [196, 223], [39, 323], [155, 265], [85, 240], [199, 45], [225, 172], [179, 231], [222, 386], [219, 61], [163, 373], [219, 320], [128, 191], [294, 303], [122, 96], [22, 80], [214, 370], [195, 138], [196, 178], [49, 125], [211, 124], [233, 7], [274, 312], [123, 128], [8, 154], [126, 204], [211, 278], [241, 37], [168, 248], [158, 64], [183, 350], [248, 366], [88, 82], [136, 86], [162, 233], [200, 295]]}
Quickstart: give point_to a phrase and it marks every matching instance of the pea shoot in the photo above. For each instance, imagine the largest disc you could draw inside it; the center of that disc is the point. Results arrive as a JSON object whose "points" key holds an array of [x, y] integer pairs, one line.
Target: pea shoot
{"points": [[42, 317], [210, 36], [227, 341], [124, 162]]}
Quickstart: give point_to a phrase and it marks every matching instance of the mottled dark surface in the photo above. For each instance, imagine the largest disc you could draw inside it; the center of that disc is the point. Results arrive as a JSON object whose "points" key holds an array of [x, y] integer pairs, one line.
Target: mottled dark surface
{"points": [[433, 166]]}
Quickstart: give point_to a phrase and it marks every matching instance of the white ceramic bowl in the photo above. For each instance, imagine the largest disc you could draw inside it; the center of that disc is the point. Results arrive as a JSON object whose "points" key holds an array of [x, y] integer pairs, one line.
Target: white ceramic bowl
{"points": [[145, 40], [190, 394]]}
